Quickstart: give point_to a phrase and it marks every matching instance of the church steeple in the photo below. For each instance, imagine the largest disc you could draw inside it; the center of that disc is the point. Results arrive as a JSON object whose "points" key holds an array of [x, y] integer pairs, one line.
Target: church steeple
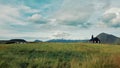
{"points": [[92, 37]]}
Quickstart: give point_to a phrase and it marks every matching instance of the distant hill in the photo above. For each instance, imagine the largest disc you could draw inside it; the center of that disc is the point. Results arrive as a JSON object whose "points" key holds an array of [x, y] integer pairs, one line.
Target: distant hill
{"points": [[108, 38], [37, 41], [64, 40], [12, 41]]}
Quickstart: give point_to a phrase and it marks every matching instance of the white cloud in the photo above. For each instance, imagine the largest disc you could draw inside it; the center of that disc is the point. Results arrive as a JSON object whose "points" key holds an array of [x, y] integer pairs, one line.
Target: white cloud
{"points": [[74, 13], [108, 17], [38, 19], [15, 15], [113, 10], [11, 15], [111, 17], [60, 35], [35, 17], [28, 9]]}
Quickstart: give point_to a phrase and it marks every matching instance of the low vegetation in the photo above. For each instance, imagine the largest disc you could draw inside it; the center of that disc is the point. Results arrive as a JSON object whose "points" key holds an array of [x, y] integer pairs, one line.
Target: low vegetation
{"points": [[59, 55]]}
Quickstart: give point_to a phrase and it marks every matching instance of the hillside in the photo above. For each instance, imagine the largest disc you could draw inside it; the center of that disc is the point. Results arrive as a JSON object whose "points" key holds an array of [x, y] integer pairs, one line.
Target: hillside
{"points": [[59, 55], [108, 38]]}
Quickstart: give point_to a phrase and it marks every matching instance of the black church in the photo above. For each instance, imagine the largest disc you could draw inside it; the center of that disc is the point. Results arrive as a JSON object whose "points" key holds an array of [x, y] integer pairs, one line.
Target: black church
{"points": [[94, 39]]}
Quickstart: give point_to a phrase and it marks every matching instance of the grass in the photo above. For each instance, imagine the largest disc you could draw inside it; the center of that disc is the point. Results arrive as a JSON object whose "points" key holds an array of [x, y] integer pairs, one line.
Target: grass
{"points": [[59, 55]]}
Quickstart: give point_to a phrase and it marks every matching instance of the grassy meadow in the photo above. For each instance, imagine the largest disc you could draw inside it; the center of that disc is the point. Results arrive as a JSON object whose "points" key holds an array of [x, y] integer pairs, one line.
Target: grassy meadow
{"points": [[59, 55]]}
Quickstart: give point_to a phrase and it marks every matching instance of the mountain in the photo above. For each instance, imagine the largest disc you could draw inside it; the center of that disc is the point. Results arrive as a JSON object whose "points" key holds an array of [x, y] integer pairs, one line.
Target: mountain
{"points": [[37, 41], [108, 38], [66, 41]]}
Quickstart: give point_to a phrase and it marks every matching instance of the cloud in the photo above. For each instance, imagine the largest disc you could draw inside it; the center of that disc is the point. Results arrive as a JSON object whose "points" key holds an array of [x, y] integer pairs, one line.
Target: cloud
{"points": [[101, 4], [38, 19], [111, 17], [60, 35], [27, 9], [15, 12], [13, 19], [10, 15], [74, 13], [108, 17]]}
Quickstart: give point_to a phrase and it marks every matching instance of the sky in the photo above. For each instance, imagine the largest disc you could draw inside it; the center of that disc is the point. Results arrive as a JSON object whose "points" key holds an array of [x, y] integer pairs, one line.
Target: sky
{"points": [[58, 19]]}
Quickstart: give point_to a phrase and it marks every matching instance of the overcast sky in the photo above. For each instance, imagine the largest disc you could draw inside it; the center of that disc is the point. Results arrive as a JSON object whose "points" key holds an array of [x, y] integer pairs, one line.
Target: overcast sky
{"points": [[54, 19]]}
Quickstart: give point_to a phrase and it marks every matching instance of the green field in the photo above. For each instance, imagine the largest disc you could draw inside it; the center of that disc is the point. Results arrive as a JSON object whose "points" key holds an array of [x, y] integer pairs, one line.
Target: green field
{"points": [[59, 55]]}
